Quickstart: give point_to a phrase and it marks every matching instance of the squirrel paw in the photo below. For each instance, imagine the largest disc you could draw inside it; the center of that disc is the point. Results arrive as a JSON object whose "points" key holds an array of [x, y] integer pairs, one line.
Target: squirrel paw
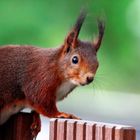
{"points": [[67, 116], [35, 129], [36, 125]]}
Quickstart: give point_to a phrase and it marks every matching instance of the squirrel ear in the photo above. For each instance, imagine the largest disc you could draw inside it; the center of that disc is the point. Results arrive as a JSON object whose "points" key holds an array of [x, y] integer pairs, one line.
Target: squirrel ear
{"points": [[71, 39], [98, 40]]}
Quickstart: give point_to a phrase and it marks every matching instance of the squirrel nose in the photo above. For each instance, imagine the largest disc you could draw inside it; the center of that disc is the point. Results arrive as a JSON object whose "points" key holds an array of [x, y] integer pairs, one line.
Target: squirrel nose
{"points": [[89, 79]]}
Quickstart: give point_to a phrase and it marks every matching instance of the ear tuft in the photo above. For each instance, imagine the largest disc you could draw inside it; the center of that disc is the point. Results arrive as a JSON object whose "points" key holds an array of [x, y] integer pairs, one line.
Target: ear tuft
{"points": [[101, 27], [72, 37], [80, 21], [98, 40]]}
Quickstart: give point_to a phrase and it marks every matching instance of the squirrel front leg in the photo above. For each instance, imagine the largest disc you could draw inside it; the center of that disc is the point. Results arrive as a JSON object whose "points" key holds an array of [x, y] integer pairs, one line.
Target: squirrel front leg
{"points": [[58, 114], [51, 111]]}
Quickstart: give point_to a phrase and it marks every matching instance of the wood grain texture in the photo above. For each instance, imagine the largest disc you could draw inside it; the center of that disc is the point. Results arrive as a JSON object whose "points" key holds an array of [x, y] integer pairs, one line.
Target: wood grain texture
{"points": [[61, 129], [65, 129], [119, 133], [129, 134], [71, 130], [100, 132], [53, 126], [80, 130], [109, 132], [90, 129], [17, 127]]}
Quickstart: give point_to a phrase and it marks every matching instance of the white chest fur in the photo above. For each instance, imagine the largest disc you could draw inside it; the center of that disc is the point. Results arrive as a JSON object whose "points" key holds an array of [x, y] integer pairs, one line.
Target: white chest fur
{"points": [[64, 89]]}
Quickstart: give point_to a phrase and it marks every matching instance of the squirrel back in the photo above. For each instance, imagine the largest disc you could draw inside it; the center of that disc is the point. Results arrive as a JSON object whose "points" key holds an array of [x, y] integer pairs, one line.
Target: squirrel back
{"points": [[39, 77]]}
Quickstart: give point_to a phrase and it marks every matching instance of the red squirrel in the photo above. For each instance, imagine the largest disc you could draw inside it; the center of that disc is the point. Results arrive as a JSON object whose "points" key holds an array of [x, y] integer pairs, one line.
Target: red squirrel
{"points": [[39, 77]]}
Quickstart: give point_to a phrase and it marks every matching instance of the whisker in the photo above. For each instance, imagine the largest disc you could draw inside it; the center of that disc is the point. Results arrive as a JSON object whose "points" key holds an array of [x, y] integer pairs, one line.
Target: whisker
{"points": [[102, 82]]}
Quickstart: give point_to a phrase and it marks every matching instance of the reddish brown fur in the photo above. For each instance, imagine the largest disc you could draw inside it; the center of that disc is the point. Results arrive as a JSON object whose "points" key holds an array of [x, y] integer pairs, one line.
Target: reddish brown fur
{"points": [[31, 76]]}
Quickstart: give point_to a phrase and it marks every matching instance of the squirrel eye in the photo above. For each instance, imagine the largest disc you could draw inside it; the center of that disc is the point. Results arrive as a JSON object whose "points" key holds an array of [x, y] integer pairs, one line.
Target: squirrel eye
{"points": [[75, 60]]}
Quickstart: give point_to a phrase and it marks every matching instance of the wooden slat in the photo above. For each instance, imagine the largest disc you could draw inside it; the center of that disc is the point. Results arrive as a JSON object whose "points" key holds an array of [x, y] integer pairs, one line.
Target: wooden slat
{"points": [[17, 127], [53, 126], [71, 130], [119, 133], [90, 131], [109, 132], [100, 132], [63, 129], [129, 134], [80, 130]]}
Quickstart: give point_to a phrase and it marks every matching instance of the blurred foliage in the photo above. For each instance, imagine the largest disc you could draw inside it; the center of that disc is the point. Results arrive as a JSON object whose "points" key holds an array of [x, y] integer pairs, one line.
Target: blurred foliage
{"points": [[47, 22]]}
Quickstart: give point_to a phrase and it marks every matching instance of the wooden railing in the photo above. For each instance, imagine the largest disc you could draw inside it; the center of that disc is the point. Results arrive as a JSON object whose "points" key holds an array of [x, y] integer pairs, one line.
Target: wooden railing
{"points": [[61, 129], [18, 128]]}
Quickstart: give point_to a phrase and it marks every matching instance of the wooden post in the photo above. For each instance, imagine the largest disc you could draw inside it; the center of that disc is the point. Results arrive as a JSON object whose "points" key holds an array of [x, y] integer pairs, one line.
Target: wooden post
{"points": [[64, 129], [17, 127]]}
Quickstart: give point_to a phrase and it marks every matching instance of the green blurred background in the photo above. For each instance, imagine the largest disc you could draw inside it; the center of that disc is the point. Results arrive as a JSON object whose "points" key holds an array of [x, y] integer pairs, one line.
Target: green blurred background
{"points": [[45, 23]]}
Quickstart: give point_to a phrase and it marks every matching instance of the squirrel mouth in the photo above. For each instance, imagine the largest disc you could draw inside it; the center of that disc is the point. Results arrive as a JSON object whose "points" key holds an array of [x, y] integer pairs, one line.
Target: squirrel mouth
{"points": [[81, 84], [86, 83]]}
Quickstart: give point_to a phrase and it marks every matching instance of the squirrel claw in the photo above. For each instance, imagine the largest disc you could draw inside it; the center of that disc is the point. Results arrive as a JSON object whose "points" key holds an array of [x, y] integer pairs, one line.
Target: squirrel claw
{"points": [[68, 116], [36, 125], [34, 129]]}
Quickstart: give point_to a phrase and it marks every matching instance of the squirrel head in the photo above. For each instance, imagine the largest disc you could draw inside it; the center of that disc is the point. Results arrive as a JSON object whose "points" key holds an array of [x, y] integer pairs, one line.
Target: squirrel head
{"points": [[79, 58]]}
